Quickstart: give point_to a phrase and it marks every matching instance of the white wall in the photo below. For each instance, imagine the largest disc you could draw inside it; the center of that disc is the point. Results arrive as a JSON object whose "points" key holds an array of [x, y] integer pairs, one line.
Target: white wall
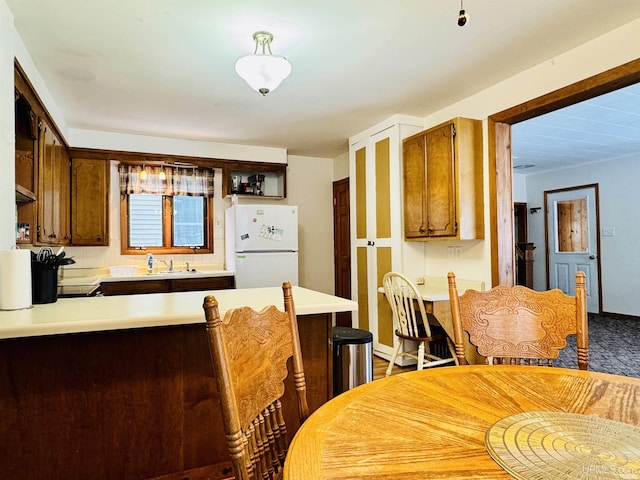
{"points": [[310, 186], [341, 166], [603, 53], [7, 129], [619, 197], [519, 185], [174, 146]]}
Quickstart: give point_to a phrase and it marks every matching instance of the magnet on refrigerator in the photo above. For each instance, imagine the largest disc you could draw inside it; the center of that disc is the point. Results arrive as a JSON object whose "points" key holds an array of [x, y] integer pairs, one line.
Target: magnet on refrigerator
{"points": [[261, 244]]}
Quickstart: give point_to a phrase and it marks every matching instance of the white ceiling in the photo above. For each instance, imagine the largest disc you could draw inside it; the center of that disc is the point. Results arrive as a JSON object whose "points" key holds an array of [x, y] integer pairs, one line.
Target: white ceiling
{"points": [[166, 67], [603, 128]]}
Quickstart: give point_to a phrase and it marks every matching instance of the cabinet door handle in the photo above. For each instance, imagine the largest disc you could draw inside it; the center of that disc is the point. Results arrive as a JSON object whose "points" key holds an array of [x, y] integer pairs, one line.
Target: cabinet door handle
{"points": [[370, 243]]}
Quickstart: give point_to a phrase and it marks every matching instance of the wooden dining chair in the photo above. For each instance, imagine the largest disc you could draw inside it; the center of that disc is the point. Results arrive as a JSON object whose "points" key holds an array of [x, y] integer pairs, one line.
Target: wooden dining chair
{"points": [[249, 353], [405, 301], [517, 325]]}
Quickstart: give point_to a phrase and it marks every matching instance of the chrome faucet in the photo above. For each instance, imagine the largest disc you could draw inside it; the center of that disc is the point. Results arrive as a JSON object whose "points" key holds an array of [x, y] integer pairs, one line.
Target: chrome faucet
{"points": [[169, 265]]}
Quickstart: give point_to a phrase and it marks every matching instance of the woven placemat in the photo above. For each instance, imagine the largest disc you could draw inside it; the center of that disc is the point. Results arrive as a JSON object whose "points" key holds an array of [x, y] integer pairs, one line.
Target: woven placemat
{"points": [[556, 445]]}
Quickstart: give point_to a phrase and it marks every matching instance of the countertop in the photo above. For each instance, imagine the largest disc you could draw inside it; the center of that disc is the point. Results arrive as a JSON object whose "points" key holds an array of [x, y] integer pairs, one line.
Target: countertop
{"points": [[93, 314], [436, 289], [97, 276]]}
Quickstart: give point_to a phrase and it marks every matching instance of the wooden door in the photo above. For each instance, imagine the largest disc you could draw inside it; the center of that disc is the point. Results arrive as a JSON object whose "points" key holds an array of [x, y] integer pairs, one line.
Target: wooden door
{"points": [[46, 232], [441, 182], [414, 180], [385, 243], [62, 181], [572, 241], [53, 189], [342, 246], [374, 235], [90, 202], [359, 222]]}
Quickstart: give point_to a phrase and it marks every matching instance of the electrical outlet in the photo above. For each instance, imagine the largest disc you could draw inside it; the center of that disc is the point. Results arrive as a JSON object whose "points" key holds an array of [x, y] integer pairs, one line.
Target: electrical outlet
{"points": [[450, 253], [608, 232], [458, 252], [420, 281], [218, 222]]}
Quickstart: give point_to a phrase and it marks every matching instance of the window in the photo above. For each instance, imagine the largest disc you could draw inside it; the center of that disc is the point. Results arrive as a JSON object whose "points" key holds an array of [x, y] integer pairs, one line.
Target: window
{"points": [[166, 209]]}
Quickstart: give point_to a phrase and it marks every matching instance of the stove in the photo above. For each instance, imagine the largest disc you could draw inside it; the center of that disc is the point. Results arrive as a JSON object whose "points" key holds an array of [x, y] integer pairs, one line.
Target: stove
{"points": [[72, 291]]}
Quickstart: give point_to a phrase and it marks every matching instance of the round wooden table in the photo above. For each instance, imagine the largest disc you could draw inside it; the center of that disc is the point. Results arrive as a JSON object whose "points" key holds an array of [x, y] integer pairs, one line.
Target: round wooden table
{"points": [[432, 423]]}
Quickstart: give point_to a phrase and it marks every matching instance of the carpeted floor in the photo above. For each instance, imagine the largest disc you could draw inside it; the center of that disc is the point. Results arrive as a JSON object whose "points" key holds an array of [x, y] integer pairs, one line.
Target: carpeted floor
{"points": [[614, 347]]}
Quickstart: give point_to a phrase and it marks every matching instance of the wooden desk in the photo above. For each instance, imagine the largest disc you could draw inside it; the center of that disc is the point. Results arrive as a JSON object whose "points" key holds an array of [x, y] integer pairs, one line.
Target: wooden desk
{"points": [[432, 423], [435, 295]]}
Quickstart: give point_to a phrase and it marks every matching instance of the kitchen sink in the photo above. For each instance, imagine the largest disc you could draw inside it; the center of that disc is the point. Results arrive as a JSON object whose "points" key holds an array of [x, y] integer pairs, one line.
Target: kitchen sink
{"points": [[167, 272]]}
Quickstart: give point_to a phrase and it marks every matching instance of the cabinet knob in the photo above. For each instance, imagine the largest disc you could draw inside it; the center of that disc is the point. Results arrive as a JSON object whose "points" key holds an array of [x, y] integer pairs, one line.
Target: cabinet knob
{"points": [[370, 243]]}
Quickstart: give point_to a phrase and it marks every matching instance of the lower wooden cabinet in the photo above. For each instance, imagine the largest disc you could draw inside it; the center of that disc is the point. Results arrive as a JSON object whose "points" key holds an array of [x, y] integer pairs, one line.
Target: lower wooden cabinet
{"points": [[202, 283], [129, 404], [135, 287]]}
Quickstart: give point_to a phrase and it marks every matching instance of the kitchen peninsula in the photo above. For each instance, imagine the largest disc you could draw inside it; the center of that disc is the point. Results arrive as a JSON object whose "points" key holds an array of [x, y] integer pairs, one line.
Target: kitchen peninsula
{"points": [[122, 387]]}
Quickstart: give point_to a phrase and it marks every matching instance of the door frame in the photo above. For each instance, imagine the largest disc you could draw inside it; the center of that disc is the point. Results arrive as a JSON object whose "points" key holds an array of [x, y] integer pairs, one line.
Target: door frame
{"points": [[548, 234], [501, 164]]}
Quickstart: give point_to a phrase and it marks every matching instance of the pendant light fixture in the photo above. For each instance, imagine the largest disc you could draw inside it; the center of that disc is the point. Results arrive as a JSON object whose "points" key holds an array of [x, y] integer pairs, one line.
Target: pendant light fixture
{"points": [[263, 71], [463, 16]]}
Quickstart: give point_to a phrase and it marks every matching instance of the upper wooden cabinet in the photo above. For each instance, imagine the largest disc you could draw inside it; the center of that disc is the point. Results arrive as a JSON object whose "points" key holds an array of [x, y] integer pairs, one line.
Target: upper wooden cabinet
{"points": [[26, 157], [443, 183], [53, 188], [89, 202]]}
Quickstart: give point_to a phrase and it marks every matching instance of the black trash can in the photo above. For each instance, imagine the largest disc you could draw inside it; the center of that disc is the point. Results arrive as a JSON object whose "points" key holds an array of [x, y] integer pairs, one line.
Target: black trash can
{"points": [[44, 283], [352, 358]]}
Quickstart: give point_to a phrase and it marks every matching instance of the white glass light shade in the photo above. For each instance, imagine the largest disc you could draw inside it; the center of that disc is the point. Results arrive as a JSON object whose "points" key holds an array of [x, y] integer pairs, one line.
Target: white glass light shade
{"points": [[262, 72]]}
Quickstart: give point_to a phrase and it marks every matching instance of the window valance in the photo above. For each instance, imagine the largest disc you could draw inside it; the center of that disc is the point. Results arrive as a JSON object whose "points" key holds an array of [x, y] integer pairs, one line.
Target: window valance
{"points": [[166, 180]]}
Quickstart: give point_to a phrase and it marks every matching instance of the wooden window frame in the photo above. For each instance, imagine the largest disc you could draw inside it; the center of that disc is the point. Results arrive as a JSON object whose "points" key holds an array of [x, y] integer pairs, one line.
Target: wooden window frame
{"points": [[167, 230]]}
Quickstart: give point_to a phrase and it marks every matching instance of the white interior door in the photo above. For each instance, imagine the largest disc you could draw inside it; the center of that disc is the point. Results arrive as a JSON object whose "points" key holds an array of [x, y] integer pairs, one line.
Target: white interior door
{"points": [[572, 239]]}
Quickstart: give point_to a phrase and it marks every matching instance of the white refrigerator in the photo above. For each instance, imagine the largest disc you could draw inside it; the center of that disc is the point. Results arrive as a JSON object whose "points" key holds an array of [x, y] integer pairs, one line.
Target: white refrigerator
{"points": [[261, 244]]}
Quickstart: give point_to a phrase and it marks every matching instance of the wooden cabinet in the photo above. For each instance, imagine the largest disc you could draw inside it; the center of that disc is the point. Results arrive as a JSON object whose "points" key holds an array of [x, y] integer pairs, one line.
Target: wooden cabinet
{"points": [[128, 404], [201, 283], [89, 202], [42, 170], [135, 287], [443, 182], [53, 192], [26, 148], [253, 179], [376, 224]]}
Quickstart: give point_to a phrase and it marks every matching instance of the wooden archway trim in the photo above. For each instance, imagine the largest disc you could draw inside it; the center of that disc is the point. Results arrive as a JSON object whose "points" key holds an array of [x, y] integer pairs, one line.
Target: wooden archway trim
{"points": [[500, 163]]}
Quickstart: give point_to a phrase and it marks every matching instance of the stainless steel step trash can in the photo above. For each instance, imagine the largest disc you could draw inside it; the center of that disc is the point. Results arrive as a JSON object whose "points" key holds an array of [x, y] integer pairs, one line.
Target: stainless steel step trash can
{"points": [[352, 358]]}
